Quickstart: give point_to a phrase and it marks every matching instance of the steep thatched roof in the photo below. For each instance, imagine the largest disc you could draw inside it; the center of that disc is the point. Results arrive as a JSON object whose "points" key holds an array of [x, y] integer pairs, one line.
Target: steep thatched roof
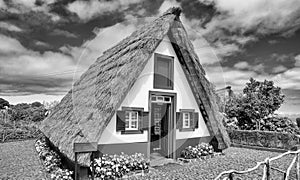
{"points": [[86, 110]]}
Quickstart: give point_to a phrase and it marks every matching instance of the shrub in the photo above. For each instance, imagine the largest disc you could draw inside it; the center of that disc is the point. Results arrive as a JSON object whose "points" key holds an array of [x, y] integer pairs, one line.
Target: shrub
{"points": [[52, 161], [198, 151], [298, 121], [116, 166], [279, 124]]}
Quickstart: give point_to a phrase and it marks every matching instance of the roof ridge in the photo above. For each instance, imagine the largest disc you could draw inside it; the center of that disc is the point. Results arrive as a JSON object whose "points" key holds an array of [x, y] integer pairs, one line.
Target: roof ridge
{"points": [[173, 10]]}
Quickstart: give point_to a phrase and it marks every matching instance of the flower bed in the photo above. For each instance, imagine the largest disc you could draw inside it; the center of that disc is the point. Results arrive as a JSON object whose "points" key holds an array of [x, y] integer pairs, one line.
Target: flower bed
{"points": [[198, 151], [116, 166], [52, 161]]}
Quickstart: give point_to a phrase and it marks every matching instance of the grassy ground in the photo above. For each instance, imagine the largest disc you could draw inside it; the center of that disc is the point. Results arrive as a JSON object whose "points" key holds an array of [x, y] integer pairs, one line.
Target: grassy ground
{"points": [[19, 160], [235, 158]]}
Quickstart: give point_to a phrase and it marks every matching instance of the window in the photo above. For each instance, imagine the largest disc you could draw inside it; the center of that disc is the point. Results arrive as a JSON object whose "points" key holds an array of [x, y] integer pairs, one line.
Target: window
{"points": [[163, 71], [186, 120], [131, 120]]}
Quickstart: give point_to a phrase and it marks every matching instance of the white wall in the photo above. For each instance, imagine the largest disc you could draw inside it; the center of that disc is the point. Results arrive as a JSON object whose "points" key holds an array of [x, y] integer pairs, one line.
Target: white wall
{"points": [[139, 94]]}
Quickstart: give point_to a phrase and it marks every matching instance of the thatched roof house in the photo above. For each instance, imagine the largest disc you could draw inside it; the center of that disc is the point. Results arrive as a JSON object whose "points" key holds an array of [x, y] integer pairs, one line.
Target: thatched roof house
{"points": [[146, 94]]}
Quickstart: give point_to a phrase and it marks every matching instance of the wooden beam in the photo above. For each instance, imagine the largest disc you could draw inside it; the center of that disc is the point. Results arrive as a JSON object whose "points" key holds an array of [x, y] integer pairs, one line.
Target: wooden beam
{"points": [[85, 147]]}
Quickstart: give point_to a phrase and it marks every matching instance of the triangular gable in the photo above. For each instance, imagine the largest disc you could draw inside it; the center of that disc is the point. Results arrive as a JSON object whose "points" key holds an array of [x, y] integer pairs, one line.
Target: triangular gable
{"points": [[84, 112]]}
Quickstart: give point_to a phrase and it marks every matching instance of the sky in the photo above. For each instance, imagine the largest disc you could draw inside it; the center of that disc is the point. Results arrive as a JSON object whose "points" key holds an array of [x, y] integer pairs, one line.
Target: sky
{"points": [[45, 45]]}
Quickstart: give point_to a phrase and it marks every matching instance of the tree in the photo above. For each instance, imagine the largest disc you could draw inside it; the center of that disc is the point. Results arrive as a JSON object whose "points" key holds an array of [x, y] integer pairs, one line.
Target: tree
{"points": [[258, 100], [36, 104], [3, 103]]}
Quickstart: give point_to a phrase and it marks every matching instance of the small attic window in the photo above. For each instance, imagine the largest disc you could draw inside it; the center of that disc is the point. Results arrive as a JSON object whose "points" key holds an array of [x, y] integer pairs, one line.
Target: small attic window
{"points": [[163, 71]]}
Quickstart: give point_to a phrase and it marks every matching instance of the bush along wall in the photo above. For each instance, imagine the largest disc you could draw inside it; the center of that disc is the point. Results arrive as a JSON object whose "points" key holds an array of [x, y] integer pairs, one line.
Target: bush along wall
{"points": [[17, 134], [197, 152], [117, 166], [267, 139], [51, 161]]}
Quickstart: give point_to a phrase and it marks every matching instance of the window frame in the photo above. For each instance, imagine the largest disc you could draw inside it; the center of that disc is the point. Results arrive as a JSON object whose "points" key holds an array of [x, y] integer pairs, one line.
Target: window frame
{"points": [[187, 111], [140, 112], [184, 120], [130, 120], [171, 71]]}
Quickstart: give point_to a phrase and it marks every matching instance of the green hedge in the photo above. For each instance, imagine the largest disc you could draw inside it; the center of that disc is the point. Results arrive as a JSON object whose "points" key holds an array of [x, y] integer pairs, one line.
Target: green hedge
{"points": [[18, 134], [266, 139]]}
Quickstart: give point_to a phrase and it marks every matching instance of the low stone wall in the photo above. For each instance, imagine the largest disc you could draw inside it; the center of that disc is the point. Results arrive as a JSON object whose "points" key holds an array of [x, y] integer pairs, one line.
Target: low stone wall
{"points": [[267, 139]]}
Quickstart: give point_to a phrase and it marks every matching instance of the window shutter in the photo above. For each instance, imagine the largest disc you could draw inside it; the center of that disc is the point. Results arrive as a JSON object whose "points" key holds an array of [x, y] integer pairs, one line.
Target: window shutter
{"points": [[145, 121], [192, 122], [120, 124], [179, 119], [196, 119]]}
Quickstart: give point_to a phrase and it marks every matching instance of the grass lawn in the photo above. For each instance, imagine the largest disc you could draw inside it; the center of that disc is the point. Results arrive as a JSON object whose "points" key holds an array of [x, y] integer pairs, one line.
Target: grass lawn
{"points": [[235, 158], [19, 160]]}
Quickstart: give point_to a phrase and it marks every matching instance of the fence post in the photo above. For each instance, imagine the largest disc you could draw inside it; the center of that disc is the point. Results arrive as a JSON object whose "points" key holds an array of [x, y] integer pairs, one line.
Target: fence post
{"points": [[268, 169], [298, 166], [230, 176]]}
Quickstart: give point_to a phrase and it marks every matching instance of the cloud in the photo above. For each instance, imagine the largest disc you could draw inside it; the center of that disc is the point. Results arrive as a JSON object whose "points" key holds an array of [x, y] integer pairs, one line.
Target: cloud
{"points": [[59, 32], [238, 23], [10, 27], [42, 44], [25, 71], [87, 10], [11, 46], [242, 65], [279, 69], [297, 63]]}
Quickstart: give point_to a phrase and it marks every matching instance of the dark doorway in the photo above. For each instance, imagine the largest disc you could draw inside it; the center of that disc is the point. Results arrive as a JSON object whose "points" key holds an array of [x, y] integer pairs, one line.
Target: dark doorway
{"points": [[161, 114]]}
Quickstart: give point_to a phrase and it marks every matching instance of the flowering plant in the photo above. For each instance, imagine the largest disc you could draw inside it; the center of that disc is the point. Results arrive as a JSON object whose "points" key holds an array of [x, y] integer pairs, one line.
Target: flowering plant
{"points": [[116, 166], [51, 161], [198, 151]]}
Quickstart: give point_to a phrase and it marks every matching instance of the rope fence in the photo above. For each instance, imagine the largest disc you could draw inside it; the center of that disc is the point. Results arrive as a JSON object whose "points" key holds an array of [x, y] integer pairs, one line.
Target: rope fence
{"points": [[229, 175]]}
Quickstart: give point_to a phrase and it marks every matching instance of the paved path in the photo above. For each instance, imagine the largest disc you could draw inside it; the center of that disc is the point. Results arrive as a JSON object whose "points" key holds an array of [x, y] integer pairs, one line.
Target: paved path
{"points": [[19, 160]]}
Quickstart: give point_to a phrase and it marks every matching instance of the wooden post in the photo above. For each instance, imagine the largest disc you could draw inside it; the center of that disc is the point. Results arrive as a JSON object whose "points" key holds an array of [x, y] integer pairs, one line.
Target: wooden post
{"points": [[93, 168], [76, 167], [268, 169], [230, 177], [298, 167], [88, 147]]}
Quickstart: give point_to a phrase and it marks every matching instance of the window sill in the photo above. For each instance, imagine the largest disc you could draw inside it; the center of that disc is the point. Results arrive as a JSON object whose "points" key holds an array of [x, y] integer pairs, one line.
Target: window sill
{"points": [[186, 129], [132, 132], [164, 87]]}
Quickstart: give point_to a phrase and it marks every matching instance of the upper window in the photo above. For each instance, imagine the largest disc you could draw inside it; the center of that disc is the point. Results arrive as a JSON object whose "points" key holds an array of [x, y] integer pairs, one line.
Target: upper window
{"points": [[163, 71], [131, 120]]}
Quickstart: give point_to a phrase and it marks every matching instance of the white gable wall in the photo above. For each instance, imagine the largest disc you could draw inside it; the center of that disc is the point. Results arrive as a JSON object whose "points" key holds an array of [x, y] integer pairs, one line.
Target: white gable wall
{"points": [[138, 96]]}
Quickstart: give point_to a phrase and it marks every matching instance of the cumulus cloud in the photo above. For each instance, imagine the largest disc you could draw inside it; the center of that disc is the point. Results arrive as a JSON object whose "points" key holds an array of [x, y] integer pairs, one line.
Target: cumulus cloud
{"points": [[242, 65], [59, 32], [87, 10], [10, 27], [279, 69], [297, 63], [238, 23], [27, 71]]}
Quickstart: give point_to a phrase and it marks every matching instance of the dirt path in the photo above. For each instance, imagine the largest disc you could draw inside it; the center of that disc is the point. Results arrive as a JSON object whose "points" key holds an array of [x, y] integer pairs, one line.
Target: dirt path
{"points": [[19, 160]]}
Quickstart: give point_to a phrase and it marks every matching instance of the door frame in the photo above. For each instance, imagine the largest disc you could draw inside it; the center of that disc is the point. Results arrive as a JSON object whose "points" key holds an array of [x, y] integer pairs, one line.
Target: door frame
{"points": [[172, 123]]}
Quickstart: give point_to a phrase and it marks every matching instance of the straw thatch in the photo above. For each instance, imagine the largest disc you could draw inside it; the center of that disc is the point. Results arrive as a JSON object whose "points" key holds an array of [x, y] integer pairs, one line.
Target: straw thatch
{"points": [[86, 110]]}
